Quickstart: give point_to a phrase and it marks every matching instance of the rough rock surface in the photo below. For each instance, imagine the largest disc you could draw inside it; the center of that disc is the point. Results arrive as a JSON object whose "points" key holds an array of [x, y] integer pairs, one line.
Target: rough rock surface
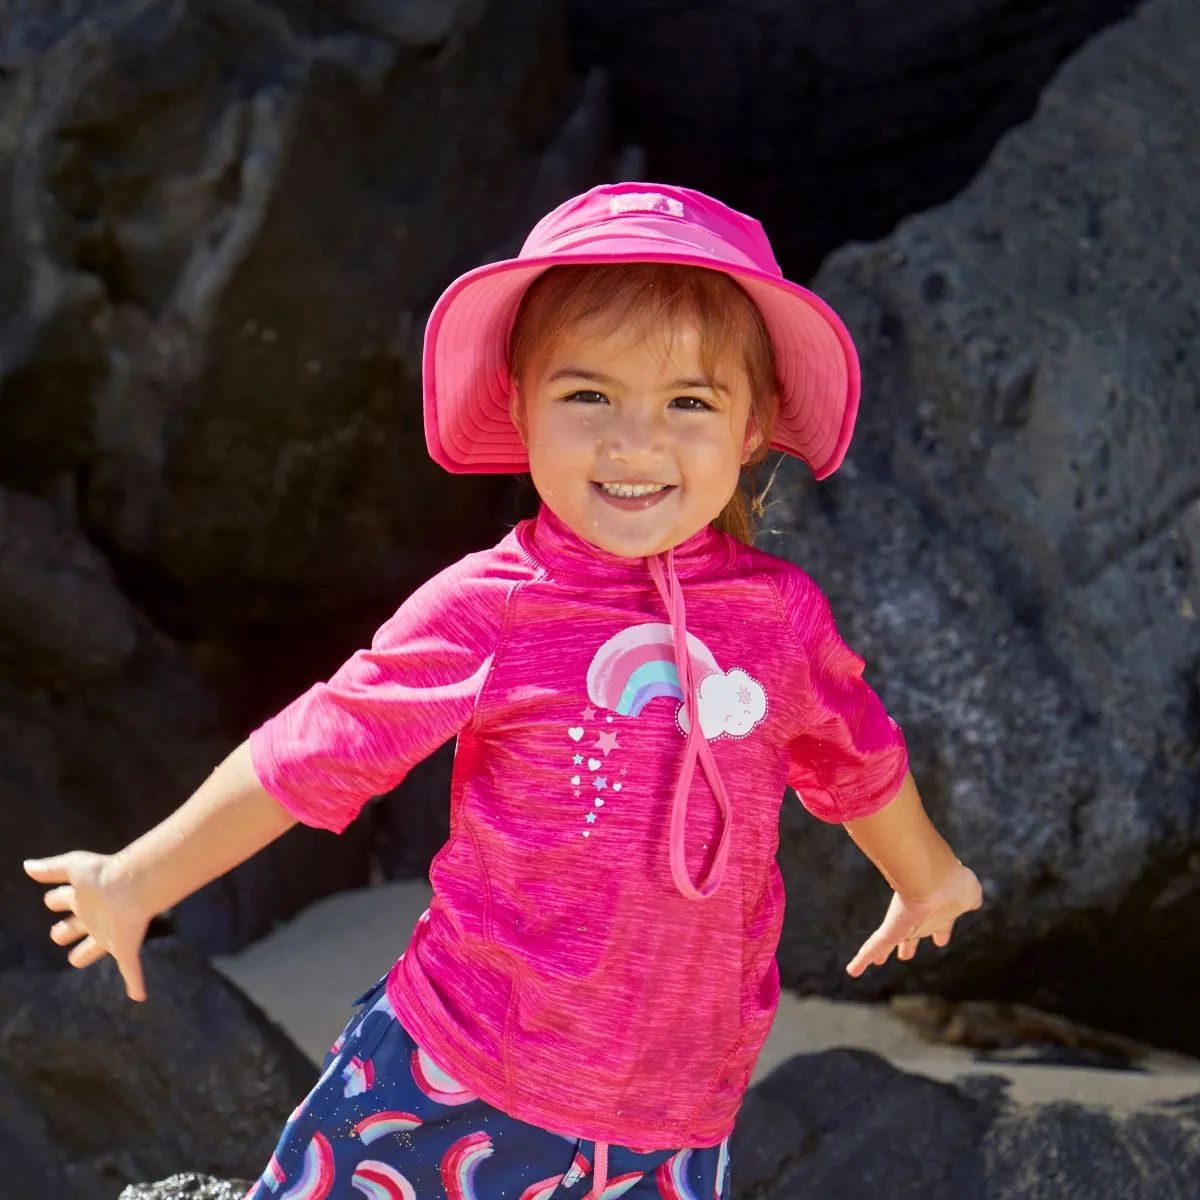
{"points": [[196, 1076], [104, 725], [187, 1187], [827, 120], [1015, 549], [221, 234], [221, 225], [847, 1123]]}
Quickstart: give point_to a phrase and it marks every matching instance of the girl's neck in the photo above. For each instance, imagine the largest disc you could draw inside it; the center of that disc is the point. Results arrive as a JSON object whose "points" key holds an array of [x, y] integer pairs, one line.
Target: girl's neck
{"points": [[552, 542]]}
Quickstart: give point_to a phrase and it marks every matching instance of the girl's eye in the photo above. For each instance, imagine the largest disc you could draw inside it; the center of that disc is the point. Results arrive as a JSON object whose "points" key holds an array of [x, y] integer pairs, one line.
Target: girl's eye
{"points": [[691, 404], [588, 397]]}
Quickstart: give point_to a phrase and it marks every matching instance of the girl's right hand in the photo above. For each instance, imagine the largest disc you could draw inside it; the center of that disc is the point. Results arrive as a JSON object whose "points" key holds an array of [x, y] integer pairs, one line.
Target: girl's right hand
{"points": [[103, 917]]}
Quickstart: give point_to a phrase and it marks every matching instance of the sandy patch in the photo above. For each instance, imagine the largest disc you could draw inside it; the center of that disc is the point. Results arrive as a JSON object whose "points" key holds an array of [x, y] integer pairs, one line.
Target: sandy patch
{"points": [[307, 974]]}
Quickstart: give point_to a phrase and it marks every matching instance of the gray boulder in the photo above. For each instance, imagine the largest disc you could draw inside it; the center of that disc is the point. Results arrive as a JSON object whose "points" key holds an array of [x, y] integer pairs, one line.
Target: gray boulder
{"points": [[188, 1186], [847, 1123], [104, 723], [222, 224], [827, 121], [1014, 548], [195, 1077]]}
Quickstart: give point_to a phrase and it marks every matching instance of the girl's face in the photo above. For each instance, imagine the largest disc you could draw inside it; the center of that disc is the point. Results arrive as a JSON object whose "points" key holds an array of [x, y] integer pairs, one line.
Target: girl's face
{"points": [[630, 444]]}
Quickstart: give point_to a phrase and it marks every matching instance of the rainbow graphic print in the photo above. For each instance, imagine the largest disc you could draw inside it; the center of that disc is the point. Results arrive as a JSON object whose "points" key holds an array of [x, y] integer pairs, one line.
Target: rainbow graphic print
{"points": [[435, 1083], [722, 1169], [620, 1185], [380, 1124], [460, 1163], [672, 1178], [637, 665], [378, 1181], [359, 1075], [316, 1179]]}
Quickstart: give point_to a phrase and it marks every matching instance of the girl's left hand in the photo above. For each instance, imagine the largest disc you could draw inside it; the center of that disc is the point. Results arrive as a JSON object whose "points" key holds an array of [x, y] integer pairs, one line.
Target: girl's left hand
{"points": [[908, 921]]}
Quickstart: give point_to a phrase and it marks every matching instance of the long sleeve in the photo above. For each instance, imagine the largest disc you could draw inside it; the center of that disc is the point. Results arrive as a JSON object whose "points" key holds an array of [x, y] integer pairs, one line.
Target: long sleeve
{"points": [[848, 757], [390, 706]]}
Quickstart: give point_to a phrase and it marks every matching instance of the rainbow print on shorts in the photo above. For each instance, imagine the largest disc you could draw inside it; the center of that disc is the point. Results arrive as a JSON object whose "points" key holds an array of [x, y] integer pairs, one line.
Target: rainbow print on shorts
{"points": [[436, 1084], [380, 1124], [359, 1074], [378, 1181], [460, 1163], [316, 1179], [672, 1178]]}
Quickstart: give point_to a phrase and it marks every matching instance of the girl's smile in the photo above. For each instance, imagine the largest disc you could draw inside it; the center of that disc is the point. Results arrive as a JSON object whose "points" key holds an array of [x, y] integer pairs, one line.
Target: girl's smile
{"points": [[630, 442]]}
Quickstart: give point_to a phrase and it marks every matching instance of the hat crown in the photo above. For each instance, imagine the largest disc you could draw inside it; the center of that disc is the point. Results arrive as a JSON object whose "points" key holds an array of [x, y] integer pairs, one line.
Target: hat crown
{"points": [[656, 214]]}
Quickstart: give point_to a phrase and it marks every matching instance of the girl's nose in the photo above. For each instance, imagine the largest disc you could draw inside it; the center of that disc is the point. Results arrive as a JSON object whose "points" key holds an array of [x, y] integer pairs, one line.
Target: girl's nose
{"points": [[633, 435]]}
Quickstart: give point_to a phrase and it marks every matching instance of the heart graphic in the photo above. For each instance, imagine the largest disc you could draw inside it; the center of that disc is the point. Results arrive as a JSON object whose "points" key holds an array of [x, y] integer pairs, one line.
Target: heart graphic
{"points": [[574, 780], [593, 764], [616, 787], [575, 732], [599, 802]]}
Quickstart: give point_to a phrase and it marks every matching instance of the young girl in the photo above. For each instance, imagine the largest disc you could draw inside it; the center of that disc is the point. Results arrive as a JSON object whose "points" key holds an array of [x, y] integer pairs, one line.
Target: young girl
{"points": [[631, 684]]}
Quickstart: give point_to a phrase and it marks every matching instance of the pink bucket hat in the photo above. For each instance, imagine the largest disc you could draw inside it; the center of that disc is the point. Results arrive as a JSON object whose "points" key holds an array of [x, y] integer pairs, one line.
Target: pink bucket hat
{"points": [[466, 380]]}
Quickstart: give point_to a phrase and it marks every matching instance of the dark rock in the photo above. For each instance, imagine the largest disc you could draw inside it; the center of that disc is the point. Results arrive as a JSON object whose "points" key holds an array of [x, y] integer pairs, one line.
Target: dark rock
{"points": [[414, 822], [187, 1187], [33, 1169], [221, 225], [1014, 549], [196, 1075], [104, 724], [221, 235], [828, 122], [846, 1123]]}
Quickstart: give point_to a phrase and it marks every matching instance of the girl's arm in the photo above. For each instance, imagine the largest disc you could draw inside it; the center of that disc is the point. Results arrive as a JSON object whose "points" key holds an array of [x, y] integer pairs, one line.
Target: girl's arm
{"points": [[110, 899], [932, 889]]}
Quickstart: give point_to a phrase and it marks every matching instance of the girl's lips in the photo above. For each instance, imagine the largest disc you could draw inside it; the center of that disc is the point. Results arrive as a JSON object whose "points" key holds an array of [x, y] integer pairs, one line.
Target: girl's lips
{"points": [[633, 503]]}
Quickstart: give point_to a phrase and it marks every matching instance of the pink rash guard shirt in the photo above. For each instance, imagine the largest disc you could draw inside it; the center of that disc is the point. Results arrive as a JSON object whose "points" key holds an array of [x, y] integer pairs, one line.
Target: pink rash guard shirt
{"points": [[560, 973]]}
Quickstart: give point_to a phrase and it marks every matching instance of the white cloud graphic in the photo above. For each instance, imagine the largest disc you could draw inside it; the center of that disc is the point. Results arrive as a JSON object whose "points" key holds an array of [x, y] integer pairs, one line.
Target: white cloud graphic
{"points": [[731, 703]]}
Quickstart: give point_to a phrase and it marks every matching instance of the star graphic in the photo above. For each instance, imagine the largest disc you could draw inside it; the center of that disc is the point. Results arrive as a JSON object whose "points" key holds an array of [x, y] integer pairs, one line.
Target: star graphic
{"points": [[591, 818], [600, 783], [624, 771], [576, 793], [606, 741], [577, 759], [587, 714]]}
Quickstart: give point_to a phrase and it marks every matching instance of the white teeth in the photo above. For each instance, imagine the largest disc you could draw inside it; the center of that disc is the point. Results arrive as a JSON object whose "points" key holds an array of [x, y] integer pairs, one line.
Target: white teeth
{"points": [[633, 489]]}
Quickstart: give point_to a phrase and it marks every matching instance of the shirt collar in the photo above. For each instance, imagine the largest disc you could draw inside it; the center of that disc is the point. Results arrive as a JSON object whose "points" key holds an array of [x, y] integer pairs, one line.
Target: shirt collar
{"points": [[553, 544]]}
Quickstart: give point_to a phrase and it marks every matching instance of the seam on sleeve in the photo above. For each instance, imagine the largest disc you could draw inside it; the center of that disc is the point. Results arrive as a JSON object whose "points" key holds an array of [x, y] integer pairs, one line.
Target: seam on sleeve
{"points": [[506, 621]]}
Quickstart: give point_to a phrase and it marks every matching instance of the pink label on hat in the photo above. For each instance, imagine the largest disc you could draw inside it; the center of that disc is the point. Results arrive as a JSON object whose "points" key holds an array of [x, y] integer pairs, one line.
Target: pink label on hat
{"points": [[645, 202]]}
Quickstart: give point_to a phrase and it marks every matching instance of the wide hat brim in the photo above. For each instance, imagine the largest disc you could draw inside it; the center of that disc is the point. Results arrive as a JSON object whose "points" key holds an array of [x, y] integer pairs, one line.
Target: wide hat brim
{"points": [[467, 387]]}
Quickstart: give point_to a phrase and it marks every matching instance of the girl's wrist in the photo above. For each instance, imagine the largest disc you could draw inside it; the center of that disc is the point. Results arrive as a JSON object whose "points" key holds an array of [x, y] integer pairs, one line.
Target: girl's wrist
{"points": [[928, 886]]}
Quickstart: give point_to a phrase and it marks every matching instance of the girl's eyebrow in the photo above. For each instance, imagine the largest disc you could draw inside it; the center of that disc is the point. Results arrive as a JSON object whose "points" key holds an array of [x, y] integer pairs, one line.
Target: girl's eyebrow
{"points": [[690, 383], [581, 373], [687, 383]]}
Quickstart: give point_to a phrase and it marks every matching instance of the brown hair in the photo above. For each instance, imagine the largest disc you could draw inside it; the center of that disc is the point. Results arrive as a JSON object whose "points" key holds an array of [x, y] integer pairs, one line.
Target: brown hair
{"points": [[658, 295]]}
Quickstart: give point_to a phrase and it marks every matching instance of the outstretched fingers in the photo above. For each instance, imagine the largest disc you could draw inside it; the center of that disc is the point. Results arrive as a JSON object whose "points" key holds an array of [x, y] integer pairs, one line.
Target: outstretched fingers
{"points": [[63, 933], [48, 870], [86, 952], [941, 937], [875, 951], [60, 899]]}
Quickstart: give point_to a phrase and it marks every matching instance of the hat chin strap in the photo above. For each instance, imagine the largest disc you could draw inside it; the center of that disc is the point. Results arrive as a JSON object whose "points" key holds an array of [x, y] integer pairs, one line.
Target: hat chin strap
{"points": [[697, 747]]}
